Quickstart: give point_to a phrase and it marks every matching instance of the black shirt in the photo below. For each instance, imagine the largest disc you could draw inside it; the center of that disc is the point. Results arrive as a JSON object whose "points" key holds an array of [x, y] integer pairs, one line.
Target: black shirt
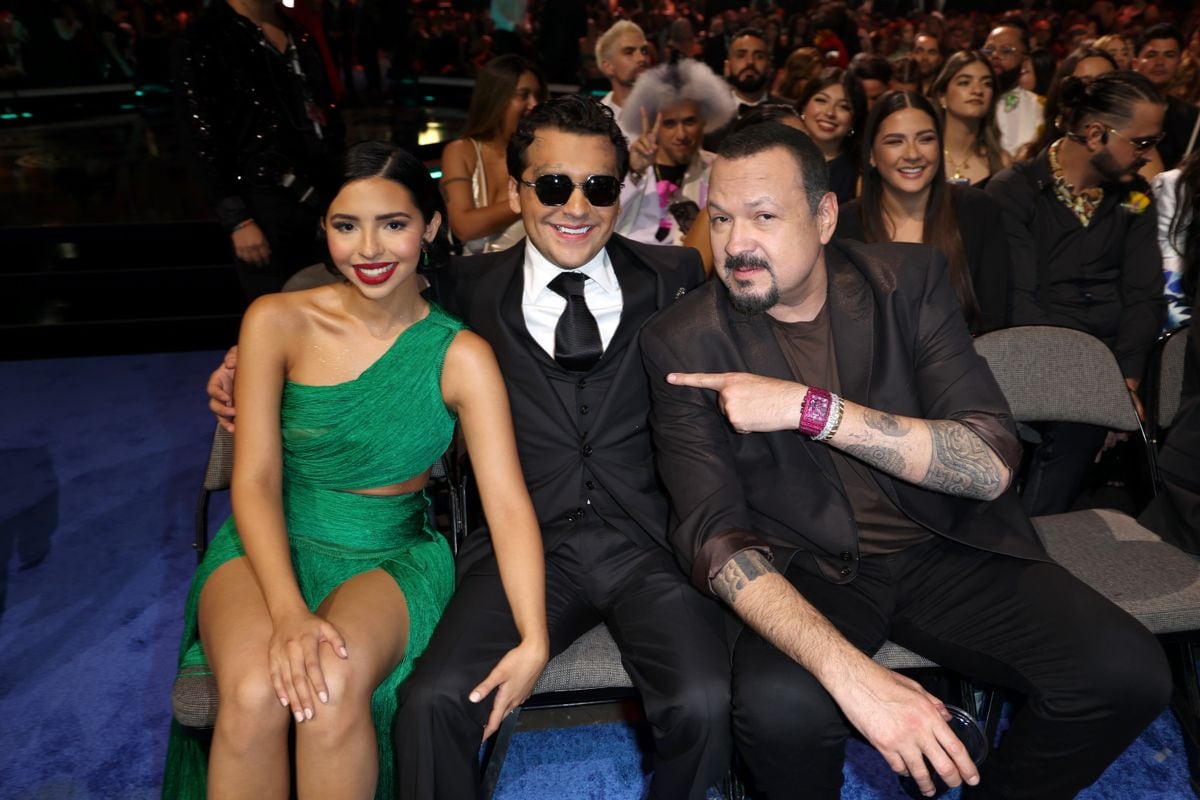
{"points": [[1105, 279]]}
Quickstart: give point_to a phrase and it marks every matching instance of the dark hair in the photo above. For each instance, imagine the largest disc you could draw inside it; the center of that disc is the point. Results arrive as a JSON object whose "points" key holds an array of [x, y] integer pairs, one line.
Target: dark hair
{"points": [[1185, 226], [801, 65], [376, 159], [941, 219], [987, 138], [494, 88], [907, 71], [1109, 99], [765, 112], [1018, 25], [757, 33], [1163, 30], [854, 95], [1052, 123], [868, 67], [1043, 62], [755, 139], [571, 113]]}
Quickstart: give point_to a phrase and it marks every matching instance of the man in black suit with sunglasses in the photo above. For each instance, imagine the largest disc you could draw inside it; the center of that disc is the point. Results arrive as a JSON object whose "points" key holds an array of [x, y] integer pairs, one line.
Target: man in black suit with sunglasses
{"points": [[580, 401], [563, 311]]}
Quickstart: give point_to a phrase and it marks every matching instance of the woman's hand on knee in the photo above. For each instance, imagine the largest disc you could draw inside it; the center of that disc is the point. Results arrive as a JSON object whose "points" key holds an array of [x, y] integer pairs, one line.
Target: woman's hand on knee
{"points": [[295, 662], [513, 678]]}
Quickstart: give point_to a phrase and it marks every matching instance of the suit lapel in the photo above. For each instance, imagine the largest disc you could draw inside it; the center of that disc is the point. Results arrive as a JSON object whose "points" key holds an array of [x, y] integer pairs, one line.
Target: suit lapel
{"points": [[852, 325], [638, 297], [524, 364], [852, 319]]}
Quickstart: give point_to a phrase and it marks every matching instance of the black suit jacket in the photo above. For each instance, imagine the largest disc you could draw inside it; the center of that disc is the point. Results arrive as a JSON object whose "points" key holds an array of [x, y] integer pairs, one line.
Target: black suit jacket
{"points": [[557, 461], [901, 347]]}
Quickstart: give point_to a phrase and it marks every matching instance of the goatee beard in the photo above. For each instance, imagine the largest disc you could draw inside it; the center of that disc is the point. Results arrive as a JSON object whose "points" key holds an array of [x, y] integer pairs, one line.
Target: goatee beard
{"points": [[749, 85], [749, 304]]}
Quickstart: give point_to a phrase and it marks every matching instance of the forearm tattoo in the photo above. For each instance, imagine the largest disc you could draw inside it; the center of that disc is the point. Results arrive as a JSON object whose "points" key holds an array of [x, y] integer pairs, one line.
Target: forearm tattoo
{"points": [[888, 459], [738, 573], [886, 424], [960, 464]]}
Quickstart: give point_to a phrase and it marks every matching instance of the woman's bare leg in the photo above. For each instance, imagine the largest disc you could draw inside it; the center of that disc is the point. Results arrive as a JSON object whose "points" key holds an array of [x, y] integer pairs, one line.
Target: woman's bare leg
{"points": [[249, 756], [336, 751]]}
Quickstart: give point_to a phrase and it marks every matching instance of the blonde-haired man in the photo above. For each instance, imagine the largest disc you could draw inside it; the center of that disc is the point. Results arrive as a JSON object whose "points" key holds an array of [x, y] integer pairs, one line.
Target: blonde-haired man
{"points": [[622, 54]]}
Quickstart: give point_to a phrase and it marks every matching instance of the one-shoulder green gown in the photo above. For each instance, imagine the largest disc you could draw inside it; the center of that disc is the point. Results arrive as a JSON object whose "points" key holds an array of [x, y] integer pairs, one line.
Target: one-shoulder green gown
{"points": [[386, 426]]}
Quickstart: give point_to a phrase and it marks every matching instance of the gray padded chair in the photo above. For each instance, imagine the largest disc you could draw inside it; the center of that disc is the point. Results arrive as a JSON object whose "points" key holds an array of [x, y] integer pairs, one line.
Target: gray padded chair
{"points": [[1164, 382], [1058, 374]]}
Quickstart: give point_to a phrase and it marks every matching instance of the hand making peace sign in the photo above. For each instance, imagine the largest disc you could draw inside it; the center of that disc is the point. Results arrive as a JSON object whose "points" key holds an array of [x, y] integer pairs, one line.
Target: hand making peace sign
{"points": [[643, 148]]}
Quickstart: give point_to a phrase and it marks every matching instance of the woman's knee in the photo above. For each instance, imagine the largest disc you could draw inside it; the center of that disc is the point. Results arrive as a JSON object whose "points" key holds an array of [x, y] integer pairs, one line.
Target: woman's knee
{"points": [[349, 686], [248, 708]]}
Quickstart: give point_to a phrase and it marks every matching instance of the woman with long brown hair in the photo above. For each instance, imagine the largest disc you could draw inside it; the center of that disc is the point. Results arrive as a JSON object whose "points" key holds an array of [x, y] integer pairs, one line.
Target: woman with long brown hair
{"points": [[474, 176], [964, 94], [906, 198]]}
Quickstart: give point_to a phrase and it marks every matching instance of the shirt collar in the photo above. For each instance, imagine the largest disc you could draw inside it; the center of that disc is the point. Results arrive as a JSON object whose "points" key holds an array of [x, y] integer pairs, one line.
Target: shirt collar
{"points": [[539, 271], [762, 98]]}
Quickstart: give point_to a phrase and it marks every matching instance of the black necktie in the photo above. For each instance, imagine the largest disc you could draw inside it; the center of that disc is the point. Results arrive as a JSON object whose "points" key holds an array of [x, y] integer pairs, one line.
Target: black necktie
{"points": [[577, 344]]}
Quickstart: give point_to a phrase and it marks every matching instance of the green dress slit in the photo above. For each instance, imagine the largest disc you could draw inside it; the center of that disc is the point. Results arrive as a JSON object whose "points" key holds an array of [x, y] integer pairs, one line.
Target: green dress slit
{"points": [[385, 427]]}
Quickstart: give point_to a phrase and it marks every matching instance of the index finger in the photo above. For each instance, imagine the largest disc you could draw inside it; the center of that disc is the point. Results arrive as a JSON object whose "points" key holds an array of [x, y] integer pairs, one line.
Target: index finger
{"points": [[645, 121], [698, 380]]}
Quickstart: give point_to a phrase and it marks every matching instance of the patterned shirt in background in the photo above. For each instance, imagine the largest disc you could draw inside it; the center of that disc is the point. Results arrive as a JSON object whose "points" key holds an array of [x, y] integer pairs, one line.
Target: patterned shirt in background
{"points": [[1084, 204], [1179, 310]]}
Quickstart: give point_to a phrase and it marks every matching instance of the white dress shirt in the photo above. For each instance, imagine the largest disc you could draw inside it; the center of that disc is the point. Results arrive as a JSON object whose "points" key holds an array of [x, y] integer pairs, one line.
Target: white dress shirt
{"points": [[542, 306]]}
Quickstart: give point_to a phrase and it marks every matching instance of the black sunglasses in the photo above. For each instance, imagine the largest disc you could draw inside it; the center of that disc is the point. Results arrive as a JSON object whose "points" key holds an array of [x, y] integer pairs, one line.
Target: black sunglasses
{"points": [[555, 190]]}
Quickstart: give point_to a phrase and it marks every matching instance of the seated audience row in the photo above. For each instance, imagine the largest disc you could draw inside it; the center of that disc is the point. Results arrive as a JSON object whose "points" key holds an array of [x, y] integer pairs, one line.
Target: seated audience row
{"points": [[922, 543]]}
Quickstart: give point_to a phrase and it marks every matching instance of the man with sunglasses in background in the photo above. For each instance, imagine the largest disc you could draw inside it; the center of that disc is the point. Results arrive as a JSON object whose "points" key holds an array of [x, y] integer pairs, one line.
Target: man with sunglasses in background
{"points": [[563, 311], [1019, 111], [1084, 253]]}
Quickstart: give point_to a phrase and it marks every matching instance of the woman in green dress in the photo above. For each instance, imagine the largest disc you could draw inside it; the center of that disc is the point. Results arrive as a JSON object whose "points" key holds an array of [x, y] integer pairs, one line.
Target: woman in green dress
{"points": [[315, 598]]}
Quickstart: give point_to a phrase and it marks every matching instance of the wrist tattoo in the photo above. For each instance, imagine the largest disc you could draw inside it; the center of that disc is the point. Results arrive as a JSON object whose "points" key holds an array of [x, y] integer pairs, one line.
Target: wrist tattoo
{"points": [[739, 572], [961, 464]]}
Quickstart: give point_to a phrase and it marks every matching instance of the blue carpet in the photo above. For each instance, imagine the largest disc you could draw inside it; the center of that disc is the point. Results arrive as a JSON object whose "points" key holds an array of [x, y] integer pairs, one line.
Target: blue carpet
{"points": [[101, 459]]}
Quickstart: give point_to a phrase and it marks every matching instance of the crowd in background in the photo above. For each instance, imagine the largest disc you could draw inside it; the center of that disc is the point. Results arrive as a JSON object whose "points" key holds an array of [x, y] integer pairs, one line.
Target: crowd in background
{"points": [[66, 42]]}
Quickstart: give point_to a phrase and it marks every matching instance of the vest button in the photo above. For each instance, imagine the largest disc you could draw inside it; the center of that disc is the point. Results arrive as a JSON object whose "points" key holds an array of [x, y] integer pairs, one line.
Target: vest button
{"points": [[846, 571], [582, 384], [590, 485], [586, 449], [846, 555], [583, 409]]}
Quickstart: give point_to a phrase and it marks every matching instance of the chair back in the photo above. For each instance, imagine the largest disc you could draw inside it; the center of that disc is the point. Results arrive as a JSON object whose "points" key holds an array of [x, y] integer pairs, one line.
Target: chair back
{"points": [[219, 471], [1167, 379], [1052, 374], [310, 277]]}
